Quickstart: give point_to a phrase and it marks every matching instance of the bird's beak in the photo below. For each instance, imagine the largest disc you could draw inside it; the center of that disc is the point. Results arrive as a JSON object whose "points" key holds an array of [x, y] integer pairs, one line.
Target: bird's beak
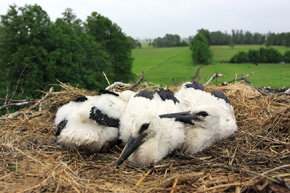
{"points": [[184, 117], [132, 145]]}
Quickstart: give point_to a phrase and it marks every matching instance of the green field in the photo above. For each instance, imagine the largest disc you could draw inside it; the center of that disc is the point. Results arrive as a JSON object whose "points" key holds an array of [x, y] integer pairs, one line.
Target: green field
{"points": [[161, 65]]}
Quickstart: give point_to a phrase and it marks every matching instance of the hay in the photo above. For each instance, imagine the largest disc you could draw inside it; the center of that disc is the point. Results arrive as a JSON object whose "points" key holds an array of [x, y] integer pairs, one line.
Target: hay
{"points": [[255, 159]]}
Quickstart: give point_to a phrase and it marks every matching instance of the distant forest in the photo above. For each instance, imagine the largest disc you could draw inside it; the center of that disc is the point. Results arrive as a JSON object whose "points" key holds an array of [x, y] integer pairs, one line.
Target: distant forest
{"points": [[239, 37]]}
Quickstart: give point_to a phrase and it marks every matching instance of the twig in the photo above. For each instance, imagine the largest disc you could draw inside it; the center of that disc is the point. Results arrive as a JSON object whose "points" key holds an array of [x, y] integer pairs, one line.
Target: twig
{"points": [[242, 78], [106, 79], [174, 185], [39, 102], [139, 80], [175, 81], [17, 104], [142, 178], [216, 75], [117, 84], [282, 183], [196, 74]]}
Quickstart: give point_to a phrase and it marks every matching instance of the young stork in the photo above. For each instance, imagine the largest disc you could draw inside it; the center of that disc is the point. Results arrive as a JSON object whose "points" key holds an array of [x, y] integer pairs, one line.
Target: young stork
{"points": [[91, 122], [209, 118], [149, 138]]}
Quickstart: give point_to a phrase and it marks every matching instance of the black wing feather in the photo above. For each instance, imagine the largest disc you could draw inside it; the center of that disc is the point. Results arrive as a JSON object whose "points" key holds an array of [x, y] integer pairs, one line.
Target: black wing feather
{"points": [[102, 118], [221, 95], [146, 94], [60, 127], [167, 95], [81, 99], [195, 85], [109, 92]]}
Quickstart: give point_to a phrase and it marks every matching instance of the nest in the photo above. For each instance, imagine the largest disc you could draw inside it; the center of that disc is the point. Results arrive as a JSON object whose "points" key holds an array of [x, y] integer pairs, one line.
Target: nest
{"points": [[254, 159]]}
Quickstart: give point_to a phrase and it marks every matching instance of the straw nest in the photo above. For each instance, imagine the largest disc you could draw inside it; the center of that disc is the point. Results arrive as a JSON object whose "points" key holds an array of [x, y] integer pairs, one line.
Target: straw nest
{"points": [[255, 159]]}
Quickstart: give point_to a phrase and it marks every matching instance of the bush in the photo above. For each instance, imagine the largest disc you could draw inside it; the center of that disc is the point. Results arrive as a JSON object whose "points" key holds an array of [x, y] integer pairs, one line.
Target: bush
{"points": [[200, 50], [263, 55], [287, 56], [241, 57], [253, 56], [269, 55]]}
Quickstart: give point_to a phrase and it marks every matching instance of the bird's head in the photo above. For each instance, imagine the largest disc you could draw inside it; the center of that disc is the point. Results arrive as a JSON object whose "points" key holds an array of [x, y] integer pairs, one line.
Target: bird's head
{"points": [[140, 135]]}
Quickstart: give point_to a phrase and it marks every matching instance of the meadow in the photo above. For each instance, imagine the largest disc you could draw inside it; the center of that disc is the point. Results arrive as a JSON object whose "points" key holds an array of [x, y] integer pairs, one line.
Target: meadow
{"points": [[163, 65]]}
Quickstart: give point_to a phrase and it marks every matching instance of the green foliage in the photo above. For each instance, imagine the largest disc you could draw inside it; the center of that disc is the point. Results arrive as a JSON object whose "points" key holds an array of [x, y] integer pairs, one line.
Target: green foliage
{"points": [[115, 42], [286, 40], [238, 37], [253, 56], [287, 56], [278, 39], [168, 40], [35, 52], [200, 50], [205, 34], [22, 50], [269, 55], [134, 43], [240, 57], [263, 55]]}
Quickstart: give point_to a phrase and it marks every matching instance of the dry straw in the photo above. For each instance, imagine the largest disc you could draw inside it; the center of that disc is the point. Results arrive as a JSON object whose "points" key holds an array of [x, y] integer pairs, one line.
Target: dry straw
{"points": [[255, 159]]}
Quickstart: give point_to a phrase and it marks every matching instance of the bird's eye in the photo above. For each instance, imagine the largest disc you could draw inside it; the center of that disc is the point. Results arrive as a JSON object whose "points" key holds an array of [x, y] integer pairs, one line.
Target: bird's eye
{"points": [[202, 113], [143, 128]]}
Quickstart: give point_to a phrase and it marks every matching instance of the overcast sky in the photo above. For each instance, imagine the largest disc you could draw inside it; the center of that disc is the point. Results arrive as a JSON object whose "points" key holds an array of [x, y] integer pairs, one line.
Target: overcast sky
{"points": [[154, 18]]}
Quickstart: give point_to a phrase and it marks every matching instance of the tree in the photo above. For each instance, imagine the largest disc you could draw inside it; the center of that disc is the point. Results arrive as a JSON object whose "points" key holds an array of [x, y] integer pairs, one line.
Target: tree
{"points": [[134, 43], [286, 40], [206, 34], [34, 52], [22, 51], [169, 40], [116, 44], [200, 50]]}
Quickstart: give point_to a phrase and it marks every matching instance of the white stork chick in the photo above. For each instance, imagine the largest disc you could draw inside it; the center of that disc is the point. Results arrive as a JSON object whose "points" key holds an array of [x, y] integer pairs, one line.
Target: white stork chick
{"points": [[76, 127], [149, 138], [209, 118]]}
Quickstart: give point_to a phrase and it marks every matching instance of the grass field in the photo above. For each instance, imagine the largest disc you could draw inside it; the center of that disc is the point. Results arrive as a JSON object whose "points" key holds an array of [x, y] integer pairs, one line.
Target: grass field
{"points": [[161, 65]]}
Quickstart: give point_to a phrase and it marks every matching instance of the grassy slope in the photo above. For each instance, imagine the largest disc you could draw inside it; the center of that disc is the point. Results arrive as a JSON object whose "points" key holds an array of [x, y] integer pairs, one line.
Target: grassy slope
{"points": [[160, 65]]}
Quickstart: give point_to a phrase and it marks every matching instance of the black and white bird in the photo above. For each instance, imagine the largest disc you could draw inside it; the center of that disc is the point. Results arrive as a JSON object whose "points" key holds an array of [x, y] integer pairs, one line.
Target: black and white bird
{"points": [[89, 122], [208, 118], [148, 137]]}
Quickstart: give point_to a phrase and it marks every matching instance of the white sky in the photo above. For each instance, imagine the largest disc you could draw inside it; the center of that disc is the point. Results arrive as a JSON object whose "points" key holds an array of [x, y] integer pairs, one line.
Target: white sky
{"points": [[154, 18]]}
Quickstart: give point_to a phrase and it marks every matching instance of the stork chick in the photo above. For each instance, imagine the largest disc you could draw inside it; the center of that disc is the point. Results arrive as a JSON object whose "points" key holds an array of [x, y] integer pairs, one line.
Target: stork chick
{"points": [[149, 138], [208, 118], [76, 124]]}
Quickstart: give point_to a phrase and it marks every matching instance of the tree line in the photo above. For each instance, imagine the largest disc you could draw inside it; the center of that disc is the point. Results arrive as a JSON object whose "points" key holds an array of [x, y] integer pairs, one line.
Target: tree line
{"points": [[35, 52], [169, 40], [237, 37]]}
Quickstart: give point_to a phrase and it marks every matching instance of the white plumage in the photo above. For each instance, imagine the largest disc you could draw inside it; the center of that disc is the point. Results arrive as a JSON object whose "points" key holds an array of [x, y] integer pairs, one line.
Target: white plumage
{"points": [[76, 129], [149, 138], [214, 117]]}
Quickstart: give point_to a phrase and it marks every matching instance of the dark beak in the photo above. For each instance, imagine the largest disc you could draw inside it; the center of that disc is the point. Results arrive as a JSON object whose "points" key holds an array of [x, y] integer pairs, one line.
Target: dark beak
{"points": [[184, 117], [132, 145]]}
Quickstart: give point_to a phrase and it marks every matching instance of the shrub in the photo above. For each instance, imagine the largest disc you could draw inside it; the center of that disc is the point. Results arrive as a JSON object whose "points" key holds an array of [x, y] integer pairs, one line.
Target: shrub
{"points": [[241, 57], [269, 55], [253, 56], [287, 56], [263, 55]]}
